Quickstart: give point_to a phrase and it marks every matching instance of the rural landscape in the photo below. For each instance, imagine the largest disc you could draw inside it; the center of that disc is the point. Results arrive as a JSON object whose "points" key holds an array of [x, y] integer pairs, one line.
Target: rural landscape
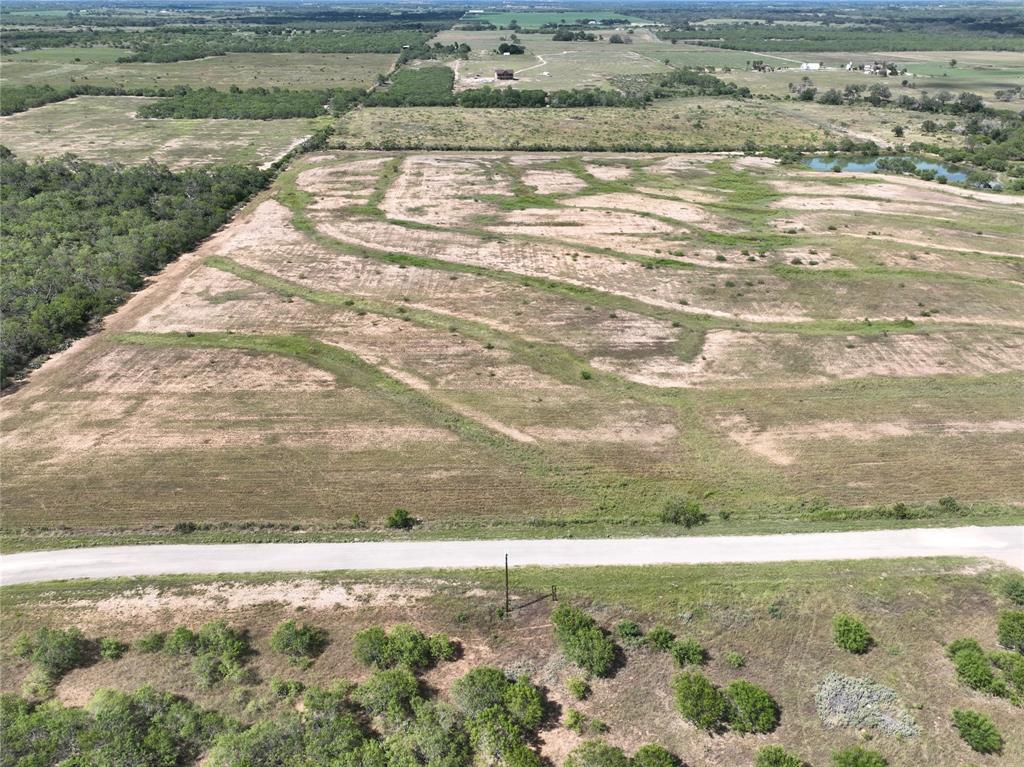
{"points": [[704, 277]]}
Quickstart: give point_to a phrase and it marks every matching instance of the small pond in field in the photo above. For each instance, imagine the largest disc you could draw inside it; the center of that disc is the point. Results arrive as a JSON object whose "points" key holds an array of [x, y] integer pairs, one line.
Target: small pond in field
{"points": [[870, 165]]}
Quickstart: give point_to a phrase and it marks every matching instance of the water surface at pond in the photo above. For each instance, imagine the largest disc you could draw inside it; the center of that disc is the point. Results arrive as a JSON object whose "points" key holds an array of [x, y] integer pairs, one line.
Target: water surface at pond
{"points": [[870, 165]]}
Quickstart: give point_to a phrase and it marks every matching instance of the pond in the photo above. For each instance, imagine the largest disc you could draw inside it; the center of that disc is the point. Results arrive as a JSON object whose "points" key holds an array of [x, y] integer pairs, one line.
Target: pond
{"points": [[870, 165]]}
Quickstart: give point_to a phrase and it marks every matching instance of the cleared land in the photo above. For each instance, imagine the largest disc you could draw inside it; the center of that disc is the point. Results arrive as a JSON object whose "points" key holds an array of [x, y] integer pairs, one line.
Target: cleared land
{"points": [[778, 617], [533, 344], [696, 124], [98, 67], [105, 129]]}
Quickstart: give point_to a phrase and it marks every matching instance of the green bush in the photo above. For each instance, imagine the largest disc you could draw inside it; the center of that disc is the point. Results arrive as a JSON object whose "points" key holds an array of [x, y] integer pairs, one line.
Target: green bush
{"points": [[754, 710], [286, 688], [1010, 630], [301, 643], [974, 669], [735, 659], [683, 511], [481, 688], [112, 648], [577, 687], [978, 731], [574, 721], [401, 519], [777, 756], [689, 651], [525, 704], [629, 632], [405, 646], [1013, 588], [55, 651], [151, 642], [181, 641], [660, 638], [582, 640], [851, 634], [594, 753], [700, 702], [389, 694], [653, 755], [857, 756]]}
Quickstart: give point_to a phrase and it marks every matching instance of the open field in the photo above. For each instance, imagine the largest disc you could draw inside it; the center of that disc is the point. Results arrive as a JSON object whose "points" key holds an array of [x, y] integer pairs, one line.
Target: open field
{"points": [[98, 67], [105, 129], [778, 617], [535, 343], [694, 123]]}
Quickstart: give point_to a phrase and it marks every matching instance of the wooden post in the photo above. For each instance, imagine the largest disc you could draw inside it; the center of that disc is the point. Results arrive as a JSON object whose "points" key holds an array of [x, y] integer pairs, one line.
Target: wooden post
{"points": [[508, 602]]}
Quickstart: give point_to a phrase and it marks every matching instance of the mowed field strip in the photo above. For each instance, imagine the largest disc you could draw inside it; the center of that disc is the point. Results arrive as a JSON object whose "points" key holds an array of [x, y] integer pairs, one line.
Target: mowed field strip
{"points": [[526, 344]]}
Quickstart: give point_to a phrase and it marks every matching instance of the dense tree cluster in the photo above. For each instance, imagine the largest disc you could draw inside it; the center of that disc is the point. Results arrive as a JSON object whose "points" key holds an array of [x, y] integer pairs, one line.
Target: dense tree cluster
{"points": [[252, 104], [78, 237], [18, 98], [423, 87], [570, 35]]}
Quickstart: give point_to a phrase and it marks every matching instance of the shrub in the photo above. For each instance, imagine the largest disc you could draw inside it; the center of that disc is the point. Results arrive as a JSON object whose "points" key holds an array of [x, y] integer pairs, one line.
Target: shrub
{"points": [[978, 731], [660, 638], [973, 668], [480, 689], [54, 651], [577, 687], [856, 756], [230, 644], [629, 632], [582, 640], [388, 694], [683, 511], [1010, 630], [851, 634], [112, 648], [1013, 588], [181, 641], [400, 519], [574, 721], [653, 755], [404, 646], [777, 756], [151, 642], [525, 704], [689, 651], [700, 702], [735, 659], [754, 710], [594, 753], [208, 669], [286, 688], [301, 643]]}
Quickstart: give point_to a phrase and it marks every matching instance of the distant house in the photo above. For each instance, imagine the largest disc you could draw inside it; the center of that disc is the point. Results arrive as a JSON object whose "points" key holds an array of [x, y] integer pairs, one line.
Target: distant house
{"points": [[504, 74], [811, 65]]}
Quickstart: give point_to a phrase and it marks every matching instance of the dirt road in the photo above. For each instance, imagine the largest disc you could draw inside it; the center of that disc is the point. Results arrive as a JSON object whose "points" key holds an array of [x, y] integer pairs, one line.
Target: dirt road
{"points": [[1005, 544]]}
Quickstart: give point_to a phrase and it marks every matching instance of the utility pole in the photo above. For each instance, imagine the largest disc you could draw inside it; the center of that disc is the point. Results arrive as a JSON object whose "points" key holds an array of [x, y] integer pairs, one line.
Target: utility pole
{"points": [[508, 602]]}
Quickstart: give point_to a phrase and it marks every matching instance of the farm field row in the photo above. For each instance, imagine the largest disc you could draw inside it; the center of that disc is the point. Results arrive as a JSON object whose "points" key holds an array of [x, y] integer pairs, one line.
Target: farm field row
{"points": [[776, 619], [535, 344]]}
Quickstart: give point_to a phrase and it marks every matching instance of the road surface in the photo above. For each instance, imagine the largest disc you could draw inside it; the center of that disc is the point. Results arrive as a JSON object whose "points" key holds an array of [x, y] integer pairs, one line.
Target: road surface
{"points": [[1005, 544]]}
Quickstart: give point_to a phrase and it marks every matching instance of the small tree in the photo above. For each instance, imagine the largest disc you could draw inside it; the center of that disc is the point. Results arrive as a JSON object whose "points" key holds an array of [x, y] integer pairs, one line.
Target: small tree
{"points": [[660, 638], [777, 756], [754, 710], [978, 731], [112, 648], [857, 756], [683, 511], [401, 519], [577, 687], [700, 702], [1010, 630], [851, 634]]}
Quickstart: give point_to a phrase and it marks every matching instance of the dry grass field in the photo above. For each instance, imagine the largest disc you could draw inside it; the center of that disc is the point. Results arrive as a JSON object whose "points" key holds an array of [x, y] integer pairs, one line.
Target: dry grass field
{"points": [[546, 344], [99, 67], [778, 617], [105, 129]]}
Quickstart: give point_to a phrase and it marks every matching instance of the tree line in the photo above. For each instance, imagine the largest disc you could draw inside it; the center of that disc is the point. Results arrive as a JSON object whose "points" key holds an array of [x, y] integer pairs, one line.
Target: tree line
{"points": [[253, 104], [79, 237]]}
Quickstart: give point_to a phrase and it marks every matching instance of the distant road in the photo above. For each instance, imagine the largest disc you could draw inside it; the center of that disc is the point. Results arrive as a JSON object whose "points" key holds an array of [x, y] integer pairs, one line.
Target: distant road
{"points": [[1005, 544]]}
